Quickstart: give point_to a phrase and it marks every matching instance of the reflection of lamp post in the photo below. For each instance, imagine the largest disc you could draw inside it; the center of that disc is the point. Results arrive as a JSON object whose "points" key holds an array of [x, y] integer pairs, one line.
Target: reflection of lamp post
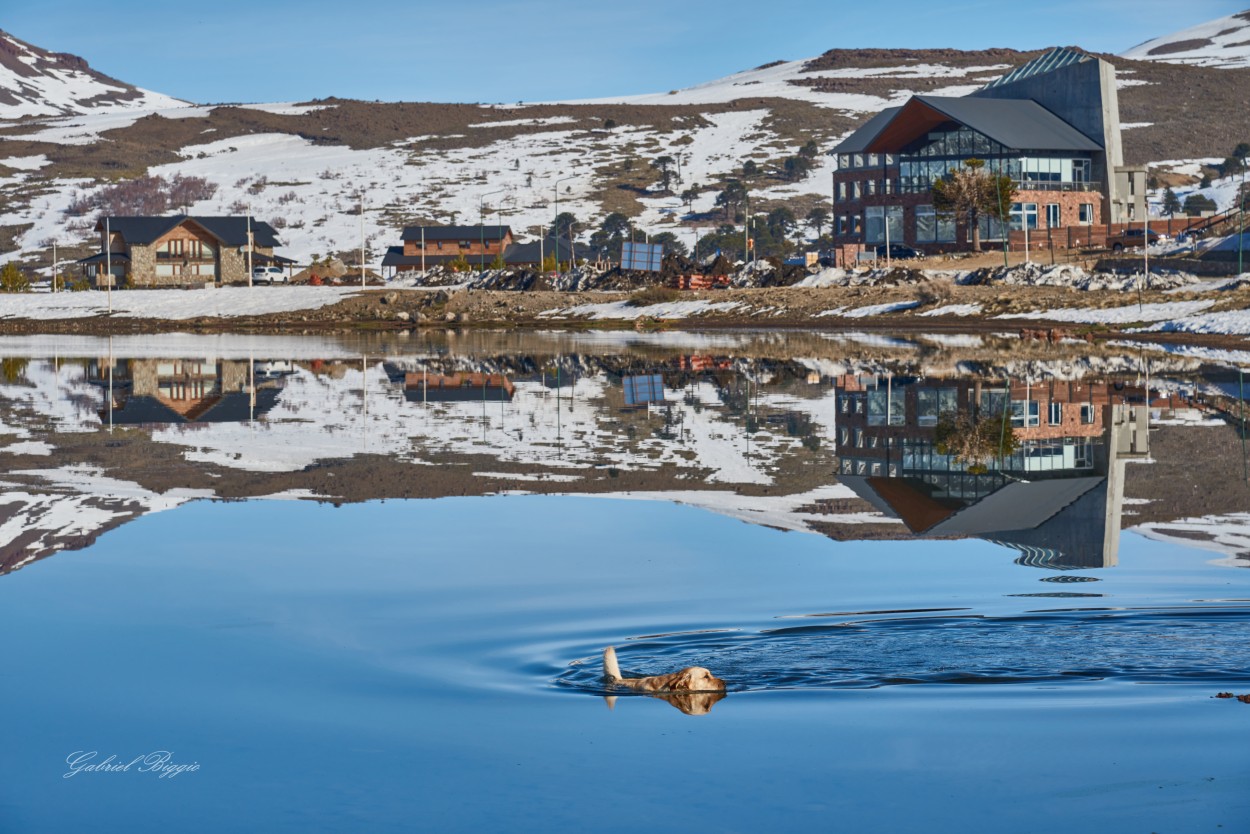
{"points": [[1241, 215], [555, 226], [481, 228]]}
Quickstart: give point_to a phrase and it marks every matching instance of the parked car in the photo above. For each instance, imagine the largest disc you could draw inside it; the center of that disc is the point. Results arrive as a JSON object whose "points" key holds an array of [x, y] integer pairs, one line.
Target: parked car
{"points": [[1132, 238], [269, 275], [899, 252]]}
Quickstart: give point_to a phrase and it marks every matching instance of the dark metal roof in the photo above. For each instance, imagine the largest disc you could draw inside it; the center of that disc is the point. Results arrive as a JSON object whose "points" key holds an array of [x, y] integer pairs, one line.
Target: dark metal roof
{"points": [[1018, 124], [101, 257], [230, 407], [230, 231], [858, 141], [456, 232]]}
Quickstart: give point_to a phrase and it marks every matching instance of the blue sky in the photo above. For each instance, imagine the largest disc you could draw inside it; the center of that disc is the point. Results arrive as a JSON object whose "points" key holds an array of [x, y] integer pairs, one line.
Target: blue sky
{"points": [[508, 50]]}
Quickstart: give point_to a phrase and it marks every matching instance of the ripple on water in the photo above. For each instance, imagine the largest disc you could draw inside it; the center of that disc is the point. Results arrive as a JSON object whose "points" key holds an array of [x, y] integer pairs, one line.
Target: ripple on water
{"points": [[1149, 645]]}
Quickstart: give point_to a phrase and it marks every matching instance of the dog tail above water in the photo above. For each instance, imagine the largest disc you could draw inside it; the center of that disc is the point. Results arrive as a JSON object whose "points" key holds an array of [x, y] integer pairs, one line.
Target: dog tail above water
{"points": [[611, 669]]}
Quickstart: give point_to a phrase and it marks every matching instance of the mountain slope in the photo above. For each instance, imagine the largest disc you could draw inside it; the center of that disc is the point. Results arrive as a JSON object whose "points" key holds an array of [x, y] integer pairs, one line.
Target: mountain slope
{"points": [[304, 166], [1224, 42], [35, 82]]}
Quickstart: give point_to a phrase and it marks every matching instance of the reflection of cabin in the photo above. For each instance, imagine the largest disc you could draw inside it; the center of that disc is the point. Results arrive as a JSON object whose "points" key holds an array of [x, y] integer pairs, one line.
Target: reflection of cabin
{"points": [[172, 391], [179, 250], [468, 387]]}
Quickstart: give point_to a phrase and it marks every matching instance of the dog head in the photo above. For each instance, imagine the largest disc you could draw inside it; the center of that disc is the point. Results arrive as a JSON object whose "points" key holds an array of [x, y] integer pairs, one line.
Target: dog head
{"points": [[696, 679]]}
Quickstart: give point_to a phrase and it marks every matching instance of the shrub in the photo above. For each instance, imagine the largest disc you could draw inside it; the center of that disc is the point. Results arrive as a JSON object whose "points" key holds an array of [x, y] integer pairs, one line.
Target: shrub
{"points": [[12, 279], [936, 291], [144, 195], [460, 264]]}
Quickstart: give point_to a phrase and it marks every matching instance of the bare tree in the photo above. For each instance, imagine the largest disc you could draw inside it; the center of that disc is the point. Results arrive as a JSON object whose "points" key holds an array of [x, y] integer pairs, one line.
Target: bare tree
{"points": [[971, 192]]}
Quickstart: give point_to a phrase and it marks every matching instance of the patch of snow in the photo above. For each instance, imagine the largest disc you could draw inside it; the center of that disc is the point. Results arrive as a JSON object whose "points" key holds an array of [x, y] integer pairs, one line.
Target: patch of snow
{"points": [[549, 120], [25, 163], [289, 108], [953, 310], [1159, 311], [222, 302], [880, 309], [625, 310], [28, 447]]}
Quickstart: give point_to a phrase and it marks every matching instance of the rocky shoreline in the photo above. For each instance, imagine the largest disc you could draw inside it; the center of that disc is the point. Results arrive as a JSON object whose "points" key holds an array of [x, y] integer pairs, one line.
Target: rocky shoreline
{"points": [[1035, 312]]}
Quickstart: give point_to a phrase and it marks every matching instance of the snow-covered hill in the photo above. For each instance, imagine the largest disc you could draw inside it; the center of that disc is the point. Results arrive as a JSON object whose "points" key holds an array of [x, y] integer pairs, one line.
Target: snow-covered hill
{"points": [[304, 167], [1224, 42], [35, 82]]}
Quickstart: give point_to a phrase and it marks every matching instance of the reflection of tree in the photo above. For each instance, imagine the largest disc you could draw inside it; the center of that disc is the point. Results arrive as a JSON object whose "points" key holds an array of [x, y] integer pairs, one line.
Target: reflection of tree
{"points": [[13, 369], [974, 441]]}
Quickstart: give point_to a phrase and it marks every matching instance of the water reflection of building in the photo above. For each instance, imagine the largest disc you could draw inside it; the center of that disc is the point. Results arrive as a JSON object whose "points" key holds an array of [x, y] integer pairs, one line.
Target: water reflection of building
{"points": [[1057, 497], [459, 387], [165, 391]]}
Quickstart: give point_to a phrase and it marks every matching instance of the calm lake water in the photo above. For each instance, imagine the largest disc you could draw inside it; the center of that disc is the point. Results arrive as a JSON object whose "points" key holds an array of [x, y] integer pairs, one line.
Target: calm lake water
{"points": [[364, 584]]}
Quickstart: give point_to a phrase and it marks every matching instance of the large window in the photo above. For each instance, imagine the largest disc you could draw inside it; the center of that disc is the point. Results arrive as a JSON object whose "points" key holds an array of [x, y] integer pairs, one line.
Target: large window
{"points": [[1087, 213], [932, 227], [1023, 215], [874, 220], [886, 407]]}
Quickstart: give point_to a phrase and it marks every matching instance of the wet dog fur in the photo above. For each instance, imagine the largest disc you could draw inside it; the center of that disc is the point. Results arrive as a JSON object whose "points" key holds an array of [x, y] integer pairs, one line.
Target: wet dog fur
{"points": [[690, 679]]}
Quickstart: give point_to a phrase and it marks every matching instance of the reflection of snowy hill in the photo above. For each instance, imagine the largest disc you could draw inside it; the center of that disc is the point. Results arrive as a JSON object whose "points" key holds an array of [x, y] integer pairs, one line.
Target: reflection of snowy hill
{"points": [[319, 417], [1226, 534], [71, 507], [51, 394]]}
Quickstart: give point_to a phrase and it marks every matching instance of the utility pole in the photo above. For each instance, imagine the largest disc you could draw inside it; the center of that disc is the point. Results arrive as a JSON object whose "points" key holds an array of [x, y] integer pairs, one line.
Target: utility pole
{"points": [[746, 229], [249, 244], [422, 251], [54, 264], [362, 241], [108, 267], [1241, 218]]}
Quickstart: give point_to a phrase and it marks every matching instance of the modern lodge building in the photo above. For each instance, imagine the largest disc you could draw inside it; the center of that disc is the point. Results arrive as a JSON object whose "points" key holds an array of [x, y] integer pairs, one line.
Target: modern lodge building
{"points": [[1052, 125]]}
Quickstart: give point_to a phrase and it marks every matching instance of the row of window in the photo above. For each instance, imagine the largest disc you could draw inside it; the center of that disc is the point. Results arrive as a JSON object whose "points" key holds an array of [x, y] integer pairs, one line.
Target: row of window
{"points": [[865, 160], [931, 227], [189, 249], [883, 406], [462, 244], [916, 176]]}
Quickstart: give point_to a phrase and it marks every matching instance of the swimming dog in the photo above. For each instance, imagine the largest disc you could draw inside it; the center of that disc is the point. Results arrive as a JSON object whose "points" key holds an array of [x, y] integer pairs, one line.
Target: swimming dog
{"points": [[690, 679]]}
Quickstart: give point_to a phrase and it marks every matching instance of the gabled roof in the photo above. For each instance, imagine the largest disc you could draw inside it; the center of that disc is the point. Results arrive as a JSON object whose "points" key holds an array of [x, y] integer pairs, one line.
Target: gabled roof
{"points": [[456, 232], [858, 141], [229, 231], [1018, 124]]}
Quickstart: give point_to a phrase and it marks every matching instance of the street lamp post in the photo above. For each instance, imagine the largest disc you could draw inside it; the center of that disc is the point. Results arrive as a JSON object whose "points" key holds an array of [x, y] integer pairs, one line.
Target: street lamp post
{"points": [[1241, 217], [555, 226], [481, 227]]}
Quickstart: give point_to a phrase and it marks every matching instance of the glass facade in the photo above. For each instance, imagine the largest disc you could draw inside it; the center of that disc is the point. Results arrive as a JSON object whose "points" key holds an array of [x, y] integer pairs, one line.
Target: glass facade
{"points": [[933, 157]]}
